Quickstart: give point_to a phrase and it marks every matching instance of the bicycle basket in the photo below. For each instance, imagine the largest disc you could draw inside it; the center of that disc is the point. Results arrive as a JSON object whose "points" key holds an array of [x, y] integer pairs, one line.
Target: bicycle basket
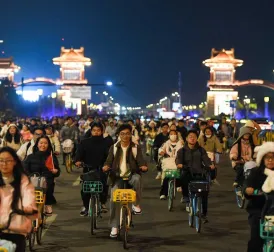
{"points": [[39, 197], [198, 186], [92, 187], [67, 146], [267, 230], [7, 246], [124, 195], [171, 173]]}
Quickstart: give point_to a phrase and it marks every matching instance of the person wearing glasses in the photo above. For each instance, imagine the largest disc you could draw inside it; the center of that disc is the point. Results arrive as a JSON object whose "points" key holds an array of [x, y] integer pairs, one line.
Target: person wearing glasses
{"points": [[27, 148], [16, 193], [125, 159]]}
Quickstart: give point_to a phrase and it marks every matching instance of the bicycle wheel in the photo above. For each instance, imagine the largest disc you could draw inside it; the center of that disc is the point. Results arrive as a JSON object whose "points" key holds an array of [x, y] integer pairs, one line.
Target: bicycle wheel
{"points": [[170, 194], [68, 162], [40, 231], [239, 197], [124, 227], [198, 214], [31, 238], [190, 214], [91, 214]]}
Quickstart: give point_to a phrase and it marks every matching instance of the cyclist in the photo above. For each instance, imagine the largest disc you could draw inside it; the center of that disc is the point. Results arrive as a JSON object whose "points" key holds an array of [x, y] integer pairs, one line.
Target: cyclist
{"points": [[256, 180], [160, 139], [93, 152], [16, 193], [43, 162], [169, 149], [27, 148], [126, 160], [193, 160], [241, 152], [56, 146]]}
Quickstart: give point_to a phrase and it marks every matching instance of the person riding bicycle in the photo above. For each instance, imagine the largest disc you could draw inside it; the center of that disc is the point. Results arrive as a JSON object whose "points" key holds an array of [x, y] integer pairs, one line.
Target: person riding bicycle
{"points": [[257, 181], [125, 159], [69, 131], [169, 152], [16, 193], [93, 152], [193, 160], [241, 152]]}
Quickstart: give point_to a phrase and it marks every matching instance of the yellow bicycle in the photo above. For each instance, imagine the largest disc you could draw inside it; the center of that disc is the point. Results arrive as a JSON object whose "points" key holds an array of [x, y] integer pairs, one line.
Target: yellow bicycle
{"points": [[124, 197], [38, 224]]}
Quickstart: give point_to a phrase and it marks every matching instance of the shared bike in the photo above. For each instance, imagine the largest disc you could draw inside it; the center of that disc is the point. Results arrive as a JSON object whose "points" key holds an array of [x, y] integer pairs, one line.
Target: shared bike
{"points": [[197, 190], [124, 196], [67, 147], [171, 175]]}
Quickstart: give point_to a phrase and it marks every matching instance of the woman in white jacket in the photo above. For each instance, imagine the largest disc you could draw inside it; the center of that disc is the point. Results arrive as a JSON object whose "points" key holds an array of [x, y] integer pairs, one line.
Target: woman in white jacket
{"points": [[169, 152]]}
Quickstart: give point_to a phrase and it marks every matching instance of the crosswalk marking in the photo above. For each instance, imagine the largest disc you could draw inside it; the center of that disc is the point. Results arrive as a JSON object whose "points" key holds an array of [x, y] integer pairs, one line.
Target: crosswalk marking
{"points": [[76, 182]]}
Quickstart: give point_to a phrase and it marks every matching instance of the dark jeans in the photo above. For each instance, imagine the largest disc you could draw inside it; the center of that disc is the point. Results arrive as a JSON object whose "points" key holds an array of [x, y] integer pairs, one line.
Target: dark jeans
{"points": [[103, 195], [239, 169], [186, 177], [50, 200], [255, 244], [213, 174], [19, 240], [164, 187]]}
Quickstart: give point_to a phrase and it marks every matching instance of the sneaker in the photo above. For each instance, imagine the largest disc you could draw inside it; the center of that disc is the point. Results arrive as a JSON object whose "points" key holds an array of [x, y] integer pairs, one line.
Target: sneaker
{"points": [[104, 208], [114, 232], [187, 208], [48, 210], [215, 182], [159, 175], [136, 209], [84, 212], [184, 200], [235, 184], [204, 219], [163, 197]]}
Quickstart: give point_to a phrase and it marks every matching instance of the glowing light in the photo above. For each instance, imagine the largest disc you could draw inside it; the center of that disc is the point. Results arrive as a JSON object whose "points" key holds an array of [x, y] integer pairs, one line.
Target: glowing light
{"points": [[96, 93], [83, 102], [1, 41], [39, 91], [53, 95], [31, 96], [109, 83], [3, 52], [266, 99]]}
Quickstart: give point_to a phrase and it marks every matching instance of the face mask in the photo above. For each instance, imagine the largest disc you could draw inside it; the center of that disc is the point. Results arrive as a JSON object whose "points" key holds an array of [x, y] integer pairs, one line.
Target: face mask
{"points": [[173, 138], [208, 136]]}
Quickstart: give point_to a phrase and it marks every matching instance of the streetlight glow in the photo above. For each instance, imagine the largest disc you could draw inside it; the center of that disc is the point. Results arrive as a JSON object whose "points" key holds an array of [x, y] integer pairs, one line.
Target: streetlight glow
{"points": [[266, 99], [109, 83], [53, 95]]}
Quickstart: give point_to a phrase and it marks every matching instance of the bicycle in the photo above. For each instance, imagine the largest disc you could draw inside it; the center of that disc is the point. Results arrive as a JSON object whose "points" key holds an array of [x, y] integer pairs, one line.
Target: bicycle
{"points": [[197, 189], [3, 228], [124, 197], [68, 146], [94, 188], [172, 175]]}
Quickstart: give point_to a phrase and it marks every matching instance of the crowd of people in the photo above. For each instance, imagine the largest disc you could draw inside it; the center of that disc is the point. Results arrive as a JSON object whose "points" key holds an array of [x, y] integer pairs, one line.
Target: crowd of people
{"points": [[114, 148]]}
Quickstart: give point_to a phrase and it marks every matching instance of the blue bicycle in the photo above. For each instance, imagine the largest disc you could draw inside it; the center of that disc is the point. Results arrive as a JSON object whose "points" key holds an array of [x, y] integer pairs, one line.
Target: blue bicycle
{"points": [[197, 189]]}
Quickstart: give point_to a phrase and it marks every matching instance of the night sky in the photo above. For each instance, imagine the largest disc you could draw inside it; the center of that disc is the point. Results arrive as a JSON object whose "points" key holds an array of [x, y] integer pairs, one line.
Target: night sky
{"points": [[144, 43]]}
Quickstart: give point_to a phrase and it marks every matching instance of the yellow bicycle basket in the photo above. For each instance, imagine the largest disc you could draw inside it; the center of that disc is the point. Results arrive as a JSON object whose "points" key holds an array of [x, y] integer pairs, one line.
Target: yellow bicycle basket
{"points": [[3, 250], [39, 198], [124, 195]]}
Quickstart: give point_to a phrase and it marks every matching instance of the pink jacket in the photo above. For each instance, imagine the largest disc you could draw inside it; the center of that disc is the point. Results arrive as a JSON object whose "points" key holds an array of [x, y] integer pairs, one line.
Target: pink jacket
{"points": [[19, 224], [246, 152]]}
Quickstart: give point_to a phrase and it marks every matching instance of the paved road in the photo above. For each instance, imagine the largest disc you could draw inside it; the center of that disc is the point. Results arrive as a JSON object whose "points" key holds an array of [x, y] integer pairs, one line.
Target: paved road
{"points": [[155, 230]]}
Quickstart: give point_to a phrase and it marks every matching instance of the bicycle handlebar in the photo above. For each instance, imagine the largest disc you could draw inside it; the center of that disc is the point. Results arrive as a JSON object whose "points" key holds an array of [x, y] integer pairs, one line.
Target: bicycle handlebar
{"points": [[18, 212]]}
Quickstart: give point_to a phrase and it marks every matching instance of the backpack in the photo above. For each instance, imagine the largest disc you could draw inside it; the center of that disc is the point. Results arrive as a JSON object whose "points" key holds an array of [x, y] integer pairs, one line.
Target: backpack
{"points": [[28, 145], [134, 150]]}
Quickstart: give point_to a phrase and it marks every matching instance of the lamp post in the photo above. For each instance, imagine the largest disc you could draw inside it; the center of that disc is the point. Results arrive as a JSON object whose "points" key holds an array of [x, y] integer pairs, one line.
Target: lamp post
{"points": [[247, 102], [266, 109], [53, 96]]}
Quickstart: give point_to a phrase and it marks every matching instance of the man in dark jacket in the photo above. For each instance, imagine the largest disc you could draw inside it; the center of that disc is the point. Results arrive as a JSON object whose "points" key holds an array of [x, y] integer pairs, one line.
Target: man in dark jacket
{"points": [[93, 153], [126, 160], [160, 139], [182, 129], [193, 160]]}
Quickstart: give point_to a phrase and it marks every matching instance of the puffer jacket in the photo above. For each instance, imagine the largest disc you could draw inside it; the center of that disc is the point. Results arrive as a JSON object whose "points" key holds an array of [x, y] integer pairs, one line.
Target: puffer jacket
{"points": [[19, 224]]}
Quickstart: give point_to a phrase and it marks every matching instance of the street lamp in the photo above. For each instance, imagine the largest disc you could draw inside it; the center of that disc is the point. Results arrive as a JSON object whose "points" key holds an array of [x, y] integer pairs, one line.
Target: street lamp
{"points": [[266, 112], [109, 83], [247, 102], [53, 96]]}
